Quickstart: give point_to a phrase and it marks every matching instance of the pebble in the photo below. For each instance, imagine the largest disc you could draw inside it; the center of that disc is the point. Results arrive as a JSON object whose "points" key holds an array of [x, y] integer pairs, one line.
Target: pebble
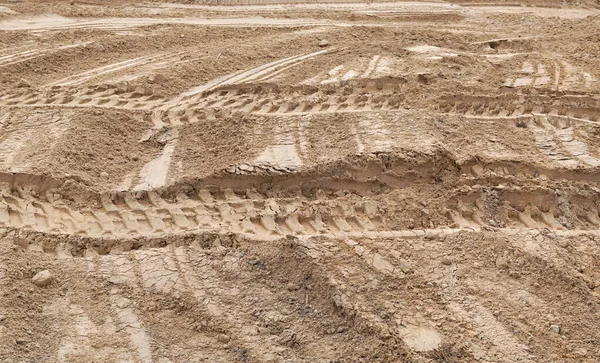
{"points": [[502, 262], [23, 83], [323, 43], [292, 287], [555, 328], [158, 78], [42, 278], [223, 338]]}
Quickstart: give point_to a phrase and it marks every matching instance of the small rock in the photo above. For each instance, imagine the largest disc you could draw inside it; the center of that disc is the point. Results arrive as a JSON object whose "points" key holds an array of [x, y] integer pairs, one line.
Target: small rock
{"points": [[142, 91], [42, 278], [555, 328], [223, 338], [158, 78], [23, 83], [323, 43], [341, 329], [20, 341], [502, 262], [250, 330], [253, 261], [382, 264], [104, 174], [2, 317], [423, 78], [446, 261]]}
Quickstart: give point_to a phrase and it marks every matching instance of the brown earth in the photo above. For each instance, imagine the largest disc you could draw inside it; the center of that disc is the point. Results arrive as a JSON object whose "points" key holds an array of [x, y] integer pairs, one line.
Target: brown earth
{"points": [[270, 181]]}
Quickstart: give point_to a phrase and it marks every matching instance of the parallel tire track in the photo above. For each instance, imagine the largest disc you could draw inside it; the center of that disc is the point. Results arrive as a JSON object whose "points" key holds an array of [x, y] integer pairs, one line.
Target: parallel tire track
{"points": [[83, 77], [252, 214], [15, 58]]}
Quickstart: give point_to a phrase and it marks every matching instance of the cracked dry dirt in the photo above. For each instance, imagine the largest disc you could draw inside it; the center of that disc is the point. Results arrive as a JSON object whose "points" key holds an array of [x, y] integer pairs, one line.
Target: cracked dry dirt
{"points": [[260, 181]]}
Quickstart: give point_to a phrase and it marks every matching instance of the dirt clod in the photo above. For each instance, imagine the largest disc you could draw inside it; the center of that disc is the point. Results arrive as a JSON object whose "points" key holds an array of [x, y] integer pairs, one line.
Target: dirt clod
{"points": [[42, 278], [23, 83]]}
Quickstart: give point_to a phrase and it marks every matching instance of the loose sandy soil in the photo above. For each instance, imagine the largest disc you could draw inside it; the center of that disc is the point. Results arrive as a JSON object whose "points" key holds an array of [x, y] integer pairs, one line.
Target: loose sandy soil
{"points": [[269, 181]]}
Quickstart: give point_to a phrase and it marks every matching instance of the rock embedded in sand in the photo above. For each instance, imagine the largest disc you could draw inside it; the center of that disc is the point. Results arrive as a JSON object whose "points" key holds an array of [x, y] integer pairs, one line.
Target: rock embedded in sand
{"points": [[23, 83], [42, 278]]}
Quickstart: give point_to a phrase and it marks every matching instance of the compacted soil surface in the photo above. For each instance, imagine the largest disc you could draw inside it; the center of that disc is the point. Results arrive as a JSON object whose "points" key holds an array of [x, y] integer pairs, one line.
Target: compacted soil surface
{"points": [[271, 181]]}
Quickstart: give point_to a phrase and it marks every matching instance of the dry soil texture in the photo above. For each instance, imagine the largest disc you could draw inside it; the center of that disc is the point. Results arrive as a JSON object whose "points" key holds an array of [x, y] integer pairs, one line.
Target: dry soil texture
{"points": [[262, 181]]}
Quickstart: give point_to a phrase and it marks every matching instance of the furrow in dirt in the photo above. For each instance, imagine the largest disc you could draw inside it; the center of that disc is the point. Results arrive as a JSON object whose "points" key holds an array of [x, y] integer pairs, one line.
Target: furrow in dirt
{"points": [[250, 212]]}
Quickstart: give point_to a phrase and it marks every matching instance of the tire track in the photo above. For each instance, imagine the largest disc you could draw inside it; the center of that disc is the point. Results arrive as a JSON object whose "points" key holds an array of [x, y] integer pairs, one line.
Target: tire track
{"points": [[271, 67], [80, 337], [551, 123], [355, 96], [371, 67], [220, 100], [10, 59], [490, 332], [576, 147], [133, 216], [557, 142], [18, 133], [171, 111], [103, 96], [83, 77], [44, 23], [248, 75], [514, 106], [283, 155], [154, 174], [154, 216], [548, 144], [132, 324], [179, 272]]}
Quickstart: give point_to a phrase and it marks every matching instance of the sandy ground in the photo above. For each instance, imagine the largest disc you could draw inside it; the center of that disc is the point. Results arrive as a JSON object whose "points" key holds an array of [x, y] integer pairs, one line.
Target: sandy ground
{"points": [[268, 181]]}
